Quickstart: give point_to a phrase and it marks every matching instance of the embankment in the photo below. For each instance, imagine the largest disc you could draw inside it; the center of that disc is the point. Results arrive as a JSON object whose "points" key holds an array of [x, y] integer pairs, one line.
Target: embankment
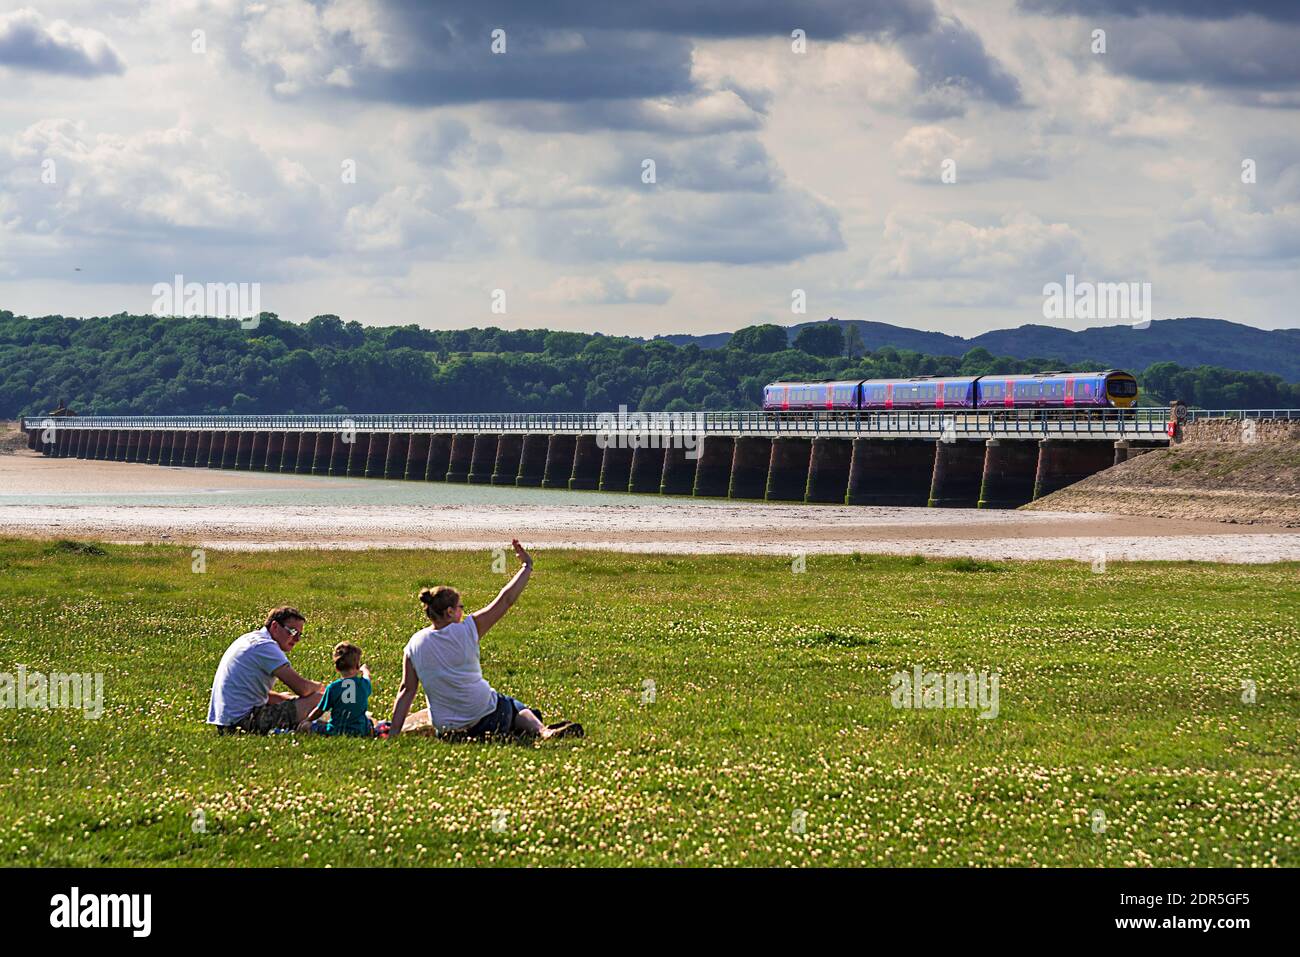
{"points": [[1226, 471]]}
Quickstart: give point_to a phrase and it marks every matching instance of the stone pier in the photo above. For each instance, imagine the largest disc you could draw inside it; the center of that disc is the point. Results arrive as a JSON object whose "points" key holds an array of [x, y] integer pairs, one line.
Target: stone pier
{"points": [[273, 455], [462, 455], [435, 470], [749, 466], [787, 473], [532, 460], [894, 472], [399, 449], [828, 470], [588, 457], [1126, 449], [1009, 468], [377, 454], [510, 450], [713, 467], [484, 458], [304, 454], [561, 450], [958, 471], [678, 476], [1062, 462], [417, 457], [647, 472], [359, 455], [615, 466]]}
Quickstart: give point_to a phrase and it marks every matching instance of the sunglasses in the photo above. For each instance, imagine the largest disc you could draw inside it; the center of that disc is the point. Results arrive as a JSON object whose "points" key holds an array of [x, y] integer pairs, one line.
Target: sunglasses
{"points": [[293, 631]]}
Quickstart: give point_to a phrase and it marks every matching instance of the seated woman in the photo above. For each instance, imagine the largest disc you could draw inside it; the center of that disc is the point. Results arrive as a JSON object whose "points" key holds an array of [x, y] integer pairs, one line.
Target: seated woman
{"points": [[444, 660]]}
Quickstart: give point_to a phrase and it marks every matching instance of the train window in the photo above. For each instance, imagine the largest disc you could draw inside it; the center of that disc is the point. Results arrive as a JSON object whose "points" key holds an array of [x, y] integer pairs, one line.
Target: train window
{"points": [[1122, 387]]}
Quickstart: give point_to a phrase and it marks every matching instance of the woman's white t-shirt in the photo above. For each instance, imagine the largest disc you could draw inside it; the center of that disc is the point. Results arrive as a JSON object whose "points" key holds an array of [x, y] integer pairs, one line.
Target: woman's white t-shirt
{"points": [[446, 660]]}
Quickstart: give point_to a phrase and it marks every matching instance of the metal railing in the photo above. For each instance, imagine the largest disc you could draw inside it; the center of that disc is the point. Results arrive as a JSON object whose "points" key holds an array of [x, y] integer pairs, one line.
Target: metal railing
{"points": [[1257, 414], [992, 423]]}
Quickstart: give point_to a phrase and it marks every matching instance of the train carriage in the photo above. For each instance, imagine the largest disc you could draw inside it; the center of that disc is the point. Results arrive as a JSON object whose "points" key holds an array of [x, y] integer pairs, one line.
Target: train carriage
{"points": [[920, 392], [1059, 390], [834, 395], [1112, 389]]}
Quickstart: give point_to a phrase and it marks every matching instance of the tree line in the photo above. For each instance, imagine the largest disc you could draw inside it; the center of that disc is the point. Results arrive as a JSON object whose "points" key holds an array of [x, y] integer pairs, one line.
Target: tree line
{"points": [[147, 365]]}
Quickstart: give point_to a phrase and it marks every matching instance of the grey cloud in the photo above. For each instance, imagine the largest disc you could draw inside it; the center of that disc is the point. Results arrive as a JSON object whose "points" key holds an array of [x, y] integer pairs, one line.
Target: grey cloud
{"points": [[734, 228], [951, 58], [1247, 48], [28, 42], [584, 50], [447, 140], [719, 165], [821, 19], [1285, 10], [1250, 54]]}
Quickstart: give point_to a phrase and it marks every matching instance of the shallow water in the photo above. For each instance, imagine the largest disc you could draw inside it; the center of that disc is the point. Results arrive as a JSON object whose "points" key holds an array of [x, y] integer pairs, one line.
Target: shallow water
{"points": [[323, 491]]}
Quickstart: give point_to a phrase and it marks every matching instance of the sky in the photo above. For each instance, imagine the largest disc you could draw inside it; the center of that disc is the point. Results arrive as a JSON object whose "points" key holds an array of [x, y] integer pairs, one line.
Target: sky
{"points": [[651, 168]]}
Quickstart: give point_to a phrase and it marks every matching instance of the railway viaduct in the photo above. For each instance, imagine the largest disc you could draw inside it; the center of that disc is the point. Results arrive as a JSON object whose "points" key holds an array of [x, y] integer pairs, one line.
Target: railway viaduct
{"points": [[987, 459]]}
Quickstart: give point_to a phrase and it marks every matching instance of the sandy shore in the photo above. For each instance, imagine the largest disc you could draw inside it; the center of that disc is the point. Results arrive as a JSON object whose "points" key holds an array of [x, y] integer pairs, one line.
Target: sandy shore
{"points": [[125, 502]]}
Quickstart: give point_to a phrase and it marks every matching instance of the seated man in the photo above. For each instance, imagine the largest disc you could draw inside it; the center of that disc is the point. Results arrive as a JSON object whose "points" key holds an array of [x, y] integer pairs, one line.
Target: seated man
{"points": [[242, 699]]}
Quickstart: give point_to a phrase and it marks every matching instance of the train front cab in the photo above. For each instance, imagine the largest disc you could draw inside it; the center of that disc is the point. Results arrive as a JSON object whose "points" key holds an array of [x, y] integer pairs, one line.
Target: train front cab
{"points": [[1121, 389]]}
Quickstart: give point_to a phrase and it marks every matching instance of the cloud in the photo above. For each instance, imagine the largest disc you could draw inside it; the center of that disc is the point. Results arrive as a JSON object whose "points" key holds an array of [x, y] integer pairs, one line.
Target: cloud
{"points": [[1282, 10], [720, 164], [922, 151], [27, 42], [954, 67], [209, 197], [715, 111], [607, 290], [1231, 231], [408, 219], [1247, 48], [1250, 54], [736, 228], [433, 53], [929, 247]]}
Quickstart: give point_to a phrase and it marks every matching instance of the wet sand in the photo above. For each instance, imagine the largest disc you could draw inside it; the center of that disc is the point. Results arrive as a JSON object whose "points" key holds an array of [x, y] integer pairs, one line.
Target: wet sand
{"points": [[127, 502]]}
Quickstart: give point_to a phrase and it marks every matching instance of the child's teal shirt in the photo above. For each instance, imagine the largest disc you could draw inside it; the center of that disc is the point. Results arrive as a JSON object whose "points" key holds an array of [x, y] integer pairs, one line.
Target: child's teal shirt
{"points": [[346, 699]]}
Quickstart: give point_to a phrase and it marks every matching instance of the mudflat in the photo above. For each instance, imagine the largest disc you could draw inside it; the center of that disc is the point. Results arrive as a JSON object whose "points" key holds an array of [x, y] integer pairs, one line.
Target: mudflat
{"points": [[42, 497]]}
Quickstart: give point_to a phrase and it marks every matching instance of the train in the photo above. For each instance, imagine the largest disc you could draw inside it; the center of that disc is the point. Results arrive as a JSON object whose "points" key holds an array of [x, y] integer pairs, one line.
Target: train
{"points": [[1112, 389]]}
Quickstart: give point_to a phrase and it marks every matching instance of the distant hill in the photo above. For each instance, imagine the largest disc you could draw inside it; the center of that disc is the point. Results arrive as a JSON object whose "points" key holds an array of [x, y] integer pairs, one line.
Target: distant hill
{"points": [[1188, 342]]}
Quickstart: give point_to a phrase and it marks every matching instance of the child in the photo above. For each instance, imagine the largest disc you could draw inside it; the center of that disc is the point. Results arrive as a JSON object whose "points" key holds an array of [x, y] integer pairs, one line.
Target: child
{"points": [[345, 698]]}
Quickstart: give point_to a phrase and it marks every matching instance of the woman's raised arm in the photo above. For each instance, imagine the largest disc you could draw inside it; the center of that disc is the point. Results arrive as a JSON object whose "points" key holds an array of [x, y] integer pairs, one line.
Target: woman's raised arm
{"points": [[485, 618]]}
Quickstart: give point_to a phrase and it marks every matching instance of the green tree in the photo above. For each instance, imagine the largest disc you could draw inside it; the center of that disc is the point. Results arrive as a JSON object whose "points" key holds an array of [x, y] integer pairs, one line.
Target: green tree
{"points": [[759, 340], [824, 339], [853, 344]]}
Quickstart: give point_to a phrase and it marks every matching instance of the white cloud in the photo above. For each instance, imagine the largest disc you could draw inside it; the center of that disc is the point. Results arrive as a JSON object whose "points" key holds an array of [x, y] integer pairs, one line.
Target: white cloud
{"points": [[922, 151], [1230, 231], [28, 42], [930, 247], [606, 290]]}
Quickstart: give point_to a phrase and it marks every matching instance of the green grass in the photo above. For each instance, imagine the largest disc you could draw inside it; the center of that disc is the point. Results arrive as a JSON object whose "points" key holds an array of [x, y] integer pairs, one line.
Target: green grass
{"points": [[1119, 692]]}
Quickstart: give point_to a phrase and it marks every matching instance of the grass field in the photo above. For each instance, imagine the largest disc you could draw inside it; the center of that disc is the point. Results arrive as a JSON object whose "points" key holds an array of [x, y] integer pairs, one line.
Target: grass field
{"points": [[1121, 739]]}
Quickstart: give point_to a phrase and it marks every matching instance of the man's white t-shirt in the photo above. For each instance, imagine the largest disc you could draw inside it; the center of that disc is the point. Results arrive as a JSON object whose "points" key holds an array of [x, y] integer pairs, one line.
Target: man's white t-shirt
{"points": [[446, 660], [244, 677]]}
